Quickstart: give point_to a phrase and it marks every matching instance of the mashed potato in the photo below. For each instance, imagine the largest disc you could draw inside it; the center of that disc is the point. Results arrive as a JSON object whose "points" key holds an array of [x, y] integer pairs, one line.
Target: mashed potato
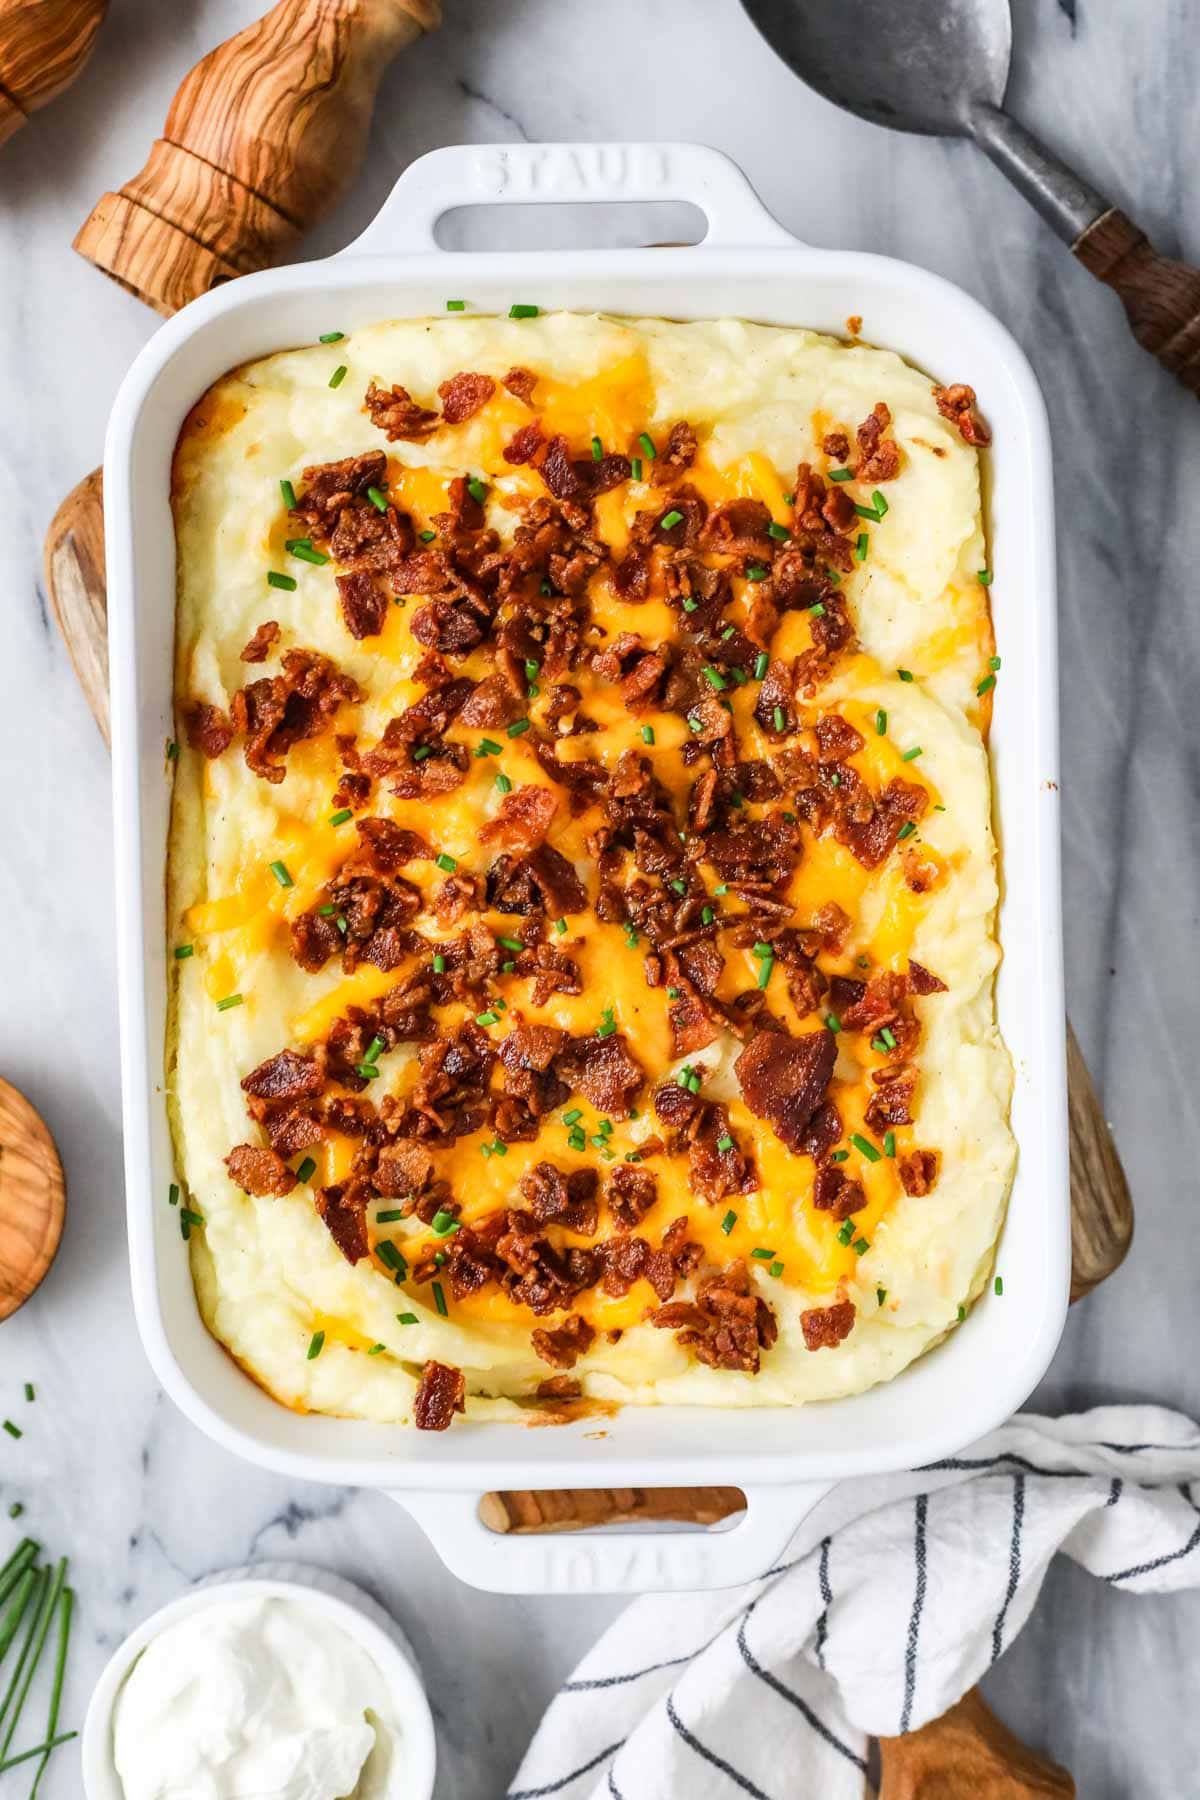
{"points": [[259, 865]]}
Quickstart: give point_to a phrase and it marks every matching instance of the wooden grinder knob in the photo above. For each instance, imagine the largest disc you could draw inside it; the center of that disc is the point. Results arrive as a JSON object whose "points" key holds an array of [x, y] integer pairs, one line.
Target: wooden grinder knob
{"points": [[261, 138], [43, 46]]}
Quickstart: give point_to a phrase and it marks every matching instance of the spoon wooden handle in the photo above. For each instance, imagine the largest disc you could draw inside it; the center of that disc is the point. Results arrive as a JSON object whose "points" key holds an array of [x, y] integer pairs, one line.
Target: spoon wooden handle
{"points": [[43, 46], [1160, 296], [33, 1199], [262, 137]]}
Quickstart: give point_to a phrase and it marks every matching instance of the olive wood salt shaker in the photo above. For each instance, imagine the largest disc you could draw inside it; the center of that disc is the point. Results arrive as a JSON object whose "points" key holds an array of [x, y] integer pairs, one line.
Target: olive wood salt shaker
{"points": [[262, 137], [43, 46]]}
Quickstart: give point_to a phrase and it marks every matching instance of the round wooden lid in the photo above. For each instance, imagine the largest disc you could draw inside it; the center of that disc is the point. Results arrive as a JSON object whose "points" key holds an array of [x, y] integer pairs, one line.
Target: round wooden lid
{"points": [[33, 1199]]}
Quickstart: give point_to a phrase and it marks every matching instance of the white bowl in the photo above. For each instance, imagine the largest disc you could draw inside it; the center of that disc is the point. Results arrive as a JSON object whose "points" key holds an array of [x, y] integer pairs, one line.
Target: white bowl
{"points": [[341, 1602]]}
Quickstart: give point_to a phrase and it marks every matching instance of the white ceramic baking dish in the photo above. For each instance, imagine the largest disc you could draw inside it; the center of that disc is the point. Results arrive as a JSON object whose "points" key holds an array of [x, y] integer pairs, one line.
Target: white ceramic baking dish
{"points": [[747, 266]]}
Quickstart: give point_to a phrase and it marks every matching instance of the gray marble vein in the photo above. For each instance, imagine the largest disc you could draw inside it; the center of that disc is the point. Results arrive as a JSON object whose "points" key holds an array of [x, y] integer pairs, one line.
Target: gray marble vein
{"points": [[107, 1468]]}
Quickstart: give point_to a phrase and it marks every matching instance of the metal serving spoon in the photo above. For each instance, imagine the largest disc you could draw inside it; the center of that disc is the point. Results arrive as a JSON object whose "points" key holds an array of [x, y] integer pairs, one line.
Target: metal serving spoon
{"points": [[940, 68]]}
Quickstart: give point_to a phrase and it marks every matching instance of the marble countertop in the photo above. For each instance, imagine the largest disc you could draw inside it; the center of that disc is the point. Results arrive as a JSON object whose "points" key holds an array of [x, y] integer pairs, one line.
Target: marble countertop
{"points": [[107, 1468]]}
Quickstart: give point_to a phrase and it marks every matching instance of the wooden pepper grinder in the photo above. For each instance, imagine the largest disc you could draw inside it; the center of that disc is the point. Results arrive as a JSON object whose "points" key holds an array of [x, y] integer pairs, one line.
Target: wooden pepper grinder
{"points": [[43, 46], [261, 139]]}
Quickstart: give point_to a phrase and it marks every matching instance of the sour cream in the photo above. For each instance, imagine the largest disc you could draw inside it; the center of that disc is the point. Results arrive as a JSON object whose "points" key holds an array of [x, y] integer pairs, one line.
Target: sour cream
{"points": [[256, 1699]]}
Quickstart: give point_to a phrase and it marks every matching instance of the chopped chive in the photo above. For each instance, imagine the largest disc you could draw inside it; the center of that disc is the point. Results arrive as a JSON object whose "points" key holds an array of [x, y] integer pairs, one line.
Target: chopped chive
{"points": [[15, 1510], [456, 306], [523, 311], [531, 669], [339, 818], [447, 864], [422, 752], [407, 1318], [721, 888], [756, 572], [635, 467], [740, 676], [428, 536], [912, 755], [605, 1125], [545, 589], [443, 1223], [986, 685], [779, 718], [905, 674], [889, 1143], [378, 499], [289, 495], [647, 734], [846, 1232], [833, 1022], [439, 964], [367, 1070], [860, 1246], [477, 489], [670, 519], [761, 663], [678, 886], [867, 512], [489, 747], [647, 445], [764, 971], [326, 912], [560, 925], [376, 1349], [576, 1139], [183, 951], [511, 943], [503, 783], [673, 993], [726, 1143], [777, 531], [906, 830], [342, 923], [962, 1313], [572, 1117], [714, 678], [776, 1269], [707, 915], [762, 1255], [865, 1147], [338, 376], [694, 1083], [881, 723], [304, 552], [993, 662], [315, 1346], [307, 1170], [391, 1258], [390, 1217], [861, 546], [690, 605], [518, 728], [14, 1431], [487, 1018], [172, 750], [840, 1156], [597, 450], [998, 1285], [331, 337], [817, 611], [229, 1001], [985, 578], [880, 1295], [276, 580], [631, 938], [280, 871], [439, 1299], [728, 1222], [841, 474], [173, 1194], [880, 502], [506, 968]]}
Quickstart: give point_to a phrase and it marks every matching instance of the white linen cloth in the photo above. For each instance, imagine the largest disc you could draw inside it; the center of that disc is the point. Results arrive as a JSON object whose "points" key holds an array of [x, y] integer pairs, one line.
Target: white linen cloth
{"points": [[894, 1597]]}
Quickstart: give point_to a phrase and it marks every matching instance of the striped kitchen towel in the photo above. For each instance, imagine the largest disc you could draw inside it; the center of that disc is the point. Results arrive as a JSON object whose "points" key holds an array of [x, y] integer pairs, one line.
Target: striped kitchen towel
{"points": [[893, 1598]]}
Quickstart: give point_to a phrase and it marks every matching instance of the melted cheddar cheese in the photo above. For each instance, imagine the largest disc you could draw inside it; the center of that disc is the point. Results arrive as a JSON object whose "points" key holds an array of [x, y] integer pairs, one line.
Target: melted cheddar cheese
{"points": [[761, 400]]}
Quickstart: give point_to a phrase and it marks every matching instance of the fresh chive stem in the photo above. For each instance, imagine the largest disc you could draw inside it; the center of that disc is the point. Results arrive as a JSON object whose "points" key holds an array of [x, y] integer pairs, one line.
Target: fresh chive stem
{"points": [[54, 1589], [16, 1612], [41, 1584], [13, 1762]]}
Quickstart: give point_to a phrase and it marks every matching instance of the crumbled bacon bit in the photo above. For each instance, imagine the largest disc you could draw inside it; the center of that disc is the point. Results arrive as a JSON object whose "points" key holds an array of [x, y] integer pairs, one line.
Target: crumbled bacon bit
{"points": [[825, 1327], [257, 1170], [521, 382], [464, 395], [784, 1078], [563, 1347], [397, 414], [836, 1193], [286, 1076], [525, 444], [677, 454], [918, 1172], [277, 712], [878, 456], [957, 403], [440, 1394], [208, 728], [631, 1192], [603, 1070], [344, 1213], [922, 980], [836, 446], [523, 820], [258, 648], [334, 486], [364, 606], [728, 1325]]}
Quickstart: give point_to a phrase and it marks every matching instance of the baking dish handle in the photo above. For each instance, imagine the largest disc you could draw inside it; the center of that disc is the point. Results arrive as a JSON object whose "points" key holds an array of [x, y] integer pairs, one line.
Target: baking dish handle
{"points": [[566, 174], [616, 1560]]}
